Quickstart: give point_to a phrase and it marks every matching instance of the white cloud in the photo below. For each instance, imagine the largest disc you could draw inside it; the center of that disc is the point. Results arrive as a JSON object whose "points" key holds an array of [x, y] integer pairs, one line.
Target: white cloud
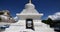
{"points": [[16, 18], [56, 16]]}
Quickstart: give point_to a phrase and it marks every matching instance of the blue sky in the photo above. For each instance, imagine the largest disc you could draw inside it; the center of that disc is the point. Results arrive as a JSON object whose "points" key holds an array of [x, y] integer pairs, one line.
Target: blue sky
{"points": [[47, 7]]}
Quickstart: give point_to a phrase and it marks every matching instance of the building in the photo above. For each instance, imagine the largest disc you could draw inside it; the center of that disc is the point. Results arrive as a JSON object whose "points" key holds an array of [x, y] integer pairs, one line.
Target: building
{"points": [[29, 20]]}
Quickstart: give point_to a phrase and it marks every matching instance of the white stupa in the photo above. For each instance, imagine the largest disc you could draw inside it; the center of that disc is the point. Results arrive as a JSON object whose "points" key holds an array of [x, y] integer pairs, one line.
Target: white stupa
{"points": [[29, 20]]}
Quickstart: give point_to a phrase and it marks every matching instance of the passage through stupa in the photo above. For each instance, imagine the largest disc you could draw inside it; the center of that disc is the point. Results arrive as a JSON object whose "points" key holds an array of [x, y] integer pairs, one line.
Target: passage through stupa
{"points": [[29, 20]]}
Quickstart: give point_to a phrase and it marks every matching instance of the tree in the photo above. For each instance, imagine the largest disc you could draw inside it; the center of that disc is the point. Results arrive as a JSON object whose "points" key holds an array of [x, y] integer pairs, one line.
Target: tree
{"points": [[49, 21]]}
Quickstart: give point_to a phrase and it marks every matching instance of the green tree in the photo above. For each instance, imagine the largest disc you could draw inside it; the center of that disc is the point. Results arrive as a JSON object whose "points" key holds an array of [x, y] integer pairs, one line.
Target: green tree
{"points": [[49, 21]]}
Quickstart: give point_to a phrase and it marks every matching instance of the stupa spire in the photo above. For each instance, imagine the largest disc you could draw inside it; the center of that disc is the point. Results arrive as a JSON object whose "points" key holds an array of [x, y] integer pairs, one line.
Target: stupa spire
{"points": [[30, 1]]}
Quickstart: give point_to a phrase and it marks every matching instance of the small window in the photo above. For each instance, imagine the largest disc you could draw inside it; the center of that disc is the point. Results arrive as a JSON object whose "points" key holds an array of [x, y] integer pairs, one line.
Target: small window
{"points": [[29, 24]]}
